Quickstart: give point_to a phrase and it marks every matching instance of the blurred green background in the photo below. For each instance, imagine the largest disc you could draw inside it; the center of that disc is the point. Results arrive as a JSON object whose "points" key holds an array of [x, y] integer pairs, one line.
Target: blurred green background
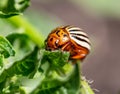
{"points": [[100, 19]]}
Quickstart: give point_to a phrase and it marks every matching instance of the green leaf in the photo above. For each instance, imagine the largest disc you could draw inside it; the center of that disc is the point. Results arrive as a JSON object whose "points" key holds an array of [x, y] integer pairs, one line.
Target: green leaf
{"points": [[22, 67], [61, 84], [25, 66], [10, 8], [6, 48], [21, 39], [1, 61], [56, 58], [73, 85], [22, 45], [62, 77]]}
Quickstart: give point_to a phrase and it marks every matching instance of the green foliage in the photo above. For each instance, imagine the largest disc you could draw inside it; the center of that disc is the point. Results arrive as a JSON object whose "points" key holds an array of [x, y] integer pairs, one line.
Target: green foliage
{"points": [[10, 8], [85, 89], [55, 58], [6, 48], [67, 84], [20, 39], [22, 67], [25, 66]]}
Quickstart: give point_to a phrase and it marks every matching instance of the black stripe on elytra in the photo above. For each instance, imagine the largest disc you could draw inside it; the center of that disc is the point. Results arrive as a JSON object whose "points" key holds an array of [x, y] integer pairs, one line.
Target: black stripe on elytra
{"points": [[79, 35], [81, 39], [72, 30]]}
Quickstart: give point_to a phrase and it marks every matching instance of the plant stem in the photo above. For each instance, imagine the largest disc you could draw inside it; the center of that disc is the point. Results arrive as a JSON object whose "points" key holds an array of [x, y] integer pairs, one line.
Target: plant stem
{"points": [[30, 30], [86, 89], [84, 86]]}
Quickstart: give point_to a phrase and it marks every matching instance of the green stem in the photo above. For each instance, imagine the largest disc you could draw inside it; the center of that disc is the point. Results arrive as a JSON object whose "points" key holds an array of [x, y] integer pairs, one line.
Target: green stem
{"points": [[86, 89], [30, 30]]}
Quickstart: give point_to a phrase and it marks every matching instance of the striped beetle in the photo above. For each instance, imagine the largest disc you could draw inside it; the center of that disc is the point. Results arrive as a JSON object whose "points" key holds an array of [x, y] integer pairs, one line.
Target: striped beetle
{"points": [[69, 38]]}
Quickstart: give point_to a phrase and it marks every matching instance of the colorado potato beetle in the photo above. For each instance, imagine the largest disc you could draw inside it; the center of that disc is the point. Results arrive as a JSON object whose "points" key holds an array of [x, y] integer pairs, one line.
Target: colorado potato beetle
{"points": [[69, 38]]}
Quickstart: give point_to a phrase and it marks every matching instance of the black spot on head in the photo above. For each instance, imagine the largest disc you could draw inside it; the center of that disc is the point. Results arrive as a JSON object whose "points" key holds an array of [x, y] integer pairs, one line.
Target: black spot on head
{"points": [[51, 39], [65, 35]]}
